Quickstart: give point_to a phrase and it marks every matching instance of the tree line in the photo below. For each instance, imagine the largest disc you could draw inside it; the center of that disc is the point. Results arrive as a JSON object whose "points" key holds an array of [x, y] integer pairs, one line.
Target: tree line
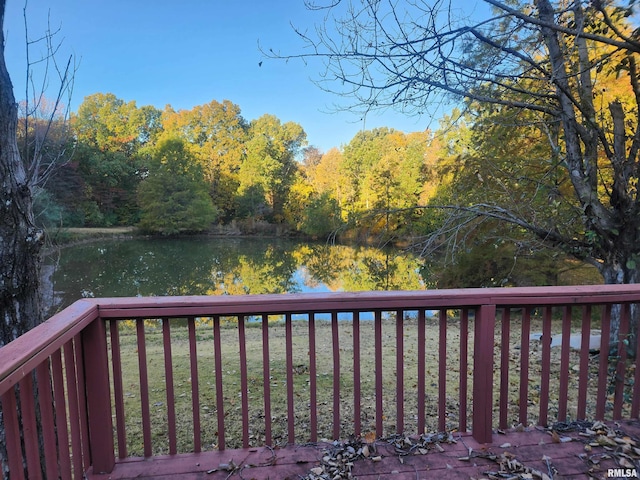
{"points": [[172, 172], [183, 171]]}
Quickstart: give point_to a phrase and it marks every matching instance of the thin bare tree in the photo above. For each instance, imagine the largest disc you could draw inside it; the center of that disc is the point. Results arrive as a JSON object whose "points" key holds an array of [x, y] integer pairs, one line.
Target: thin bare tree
{"points": [[541, 61]]}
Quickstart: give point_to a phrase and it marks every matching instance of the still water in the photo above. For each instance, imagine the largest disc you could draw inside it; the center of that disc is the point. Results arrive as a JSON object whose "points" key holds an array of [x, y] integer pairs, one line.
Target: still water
{"points": [[219, 266]]}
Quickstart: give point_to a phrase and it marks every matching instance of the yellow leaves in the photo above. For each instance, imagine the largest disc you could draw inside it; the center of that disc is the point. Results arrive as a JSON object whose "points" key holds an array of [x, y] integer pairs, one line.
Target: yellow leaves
{"points": [[369, 437], [325, 177], [216, 133], [605, 441], [555, 438]]}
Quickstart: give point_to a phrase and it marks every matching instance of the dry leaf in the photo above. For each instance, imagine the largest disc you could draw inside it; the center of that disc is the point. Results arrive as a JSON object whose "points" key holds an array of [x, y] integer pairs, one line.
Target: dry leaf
{"points": [[606, 441], [624, 463], [365, 451], [370, 437]]}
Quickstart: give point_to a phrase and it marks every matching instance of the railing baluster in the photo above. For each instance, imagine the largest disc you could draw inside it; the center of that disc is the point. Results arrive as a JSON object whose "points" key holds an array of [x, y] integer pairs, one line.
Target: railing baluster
{"points": [[195, 385], [524, 364], [313, 388], [621, 362], [546, 367], [29, 428], [47, 418], [442, 370], [399, 371], [464, 365], [266, 380], [603, 367], [12, 433], [74, 414], [168, 379], [244, 384], [336, 374], [217, 348], [118, 391], [144, 387], [291, 418], [504, 367], [583, 382], [421, 372], [82, 404], [378, 371], [357, 393], [61, 414], [635, 404], [564, 363]]}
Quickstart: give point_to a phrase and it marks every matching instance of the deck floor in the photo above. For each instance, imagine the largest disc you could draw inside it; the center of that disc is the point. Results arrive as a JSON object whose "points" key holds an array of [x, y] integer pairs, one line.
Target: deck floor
{"points": [[569, 453]]}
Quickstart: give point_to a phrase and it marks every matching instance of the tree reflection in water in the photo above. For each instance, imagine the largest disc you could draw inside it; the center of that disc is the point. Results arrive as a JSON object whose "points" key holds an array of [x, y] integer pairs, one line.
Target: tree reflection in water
{"points": [[218, 266]]}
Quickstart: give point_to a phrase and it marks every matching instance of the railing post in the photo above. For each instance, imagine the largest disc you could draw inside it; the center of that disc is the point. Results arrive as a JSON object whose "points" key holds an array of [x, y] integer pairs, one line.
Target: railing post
{"points": [[483, 373], [98, 396]]}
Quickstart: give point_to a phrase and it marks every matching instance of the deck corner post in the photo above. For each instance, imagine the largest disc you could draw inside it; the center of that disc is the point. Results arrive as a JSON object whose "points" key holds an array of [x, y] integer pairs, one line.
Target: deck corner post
{"points": [[98, 397], [484, 329]]}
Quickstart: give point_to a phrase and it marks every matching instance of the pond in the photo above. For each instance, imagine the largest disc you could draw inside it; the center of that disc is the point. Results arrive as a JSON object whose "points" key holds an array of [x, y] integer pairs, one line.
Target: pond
{"points": [[219, 266]]}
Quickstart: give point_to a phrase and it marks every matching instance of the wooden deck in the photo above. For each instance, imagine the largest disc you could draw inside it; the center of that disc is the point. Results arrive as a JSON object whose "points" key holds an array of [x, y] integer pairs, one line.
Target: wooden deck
{"points": [[574, 453], [339, 365]]}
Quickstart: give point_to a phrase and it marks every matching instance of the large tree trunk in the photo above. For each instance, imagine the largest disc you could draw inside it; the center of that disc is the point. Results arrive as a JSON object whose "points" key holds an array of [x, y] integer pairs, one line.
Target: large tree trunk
{"points": [[613, 223], [615, 273], [20, 240]]}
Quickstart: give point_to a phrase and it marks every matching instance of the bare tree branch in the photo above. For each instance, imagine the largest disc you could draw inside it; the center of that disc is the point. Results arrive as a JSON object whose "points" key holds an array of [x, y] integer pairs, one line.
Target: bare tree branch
{"points": [[39, 115]]}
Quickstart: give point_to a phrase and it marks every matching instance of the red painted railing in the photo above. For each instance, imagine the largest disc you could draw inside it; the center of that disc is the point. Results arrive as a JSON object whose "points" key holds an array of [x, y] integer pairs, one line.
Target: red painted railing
{"points": [[107, 379]]}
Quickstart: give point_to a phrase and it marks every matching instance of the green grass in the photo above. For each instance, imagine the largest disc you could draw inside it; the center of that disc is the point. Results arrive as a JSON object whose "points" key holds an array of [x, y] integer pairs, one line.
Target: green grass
{"points": [[70, 236]]}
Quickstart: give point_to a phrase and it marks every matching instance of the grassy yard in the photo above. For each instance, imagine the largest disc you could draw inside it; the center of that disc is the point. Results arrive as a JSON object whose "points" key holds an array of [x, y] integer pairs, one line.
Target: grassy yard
{"points": [[324, 358]]}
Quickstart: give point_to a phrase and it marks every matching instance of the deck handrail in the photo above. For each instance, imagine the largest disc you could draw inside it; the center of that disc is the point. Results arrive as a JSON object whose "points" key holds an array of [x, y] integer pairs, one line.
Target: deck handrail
{"points": [[21, 355], [122, 307], [66, 359], [42, 340]]}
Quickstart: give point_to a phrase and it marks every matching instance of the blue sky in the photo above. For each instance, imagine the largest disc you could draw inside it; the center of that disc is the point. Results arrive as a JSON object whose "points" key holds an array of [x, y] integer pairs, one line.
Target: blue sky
{"points": [[191, 52]]}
